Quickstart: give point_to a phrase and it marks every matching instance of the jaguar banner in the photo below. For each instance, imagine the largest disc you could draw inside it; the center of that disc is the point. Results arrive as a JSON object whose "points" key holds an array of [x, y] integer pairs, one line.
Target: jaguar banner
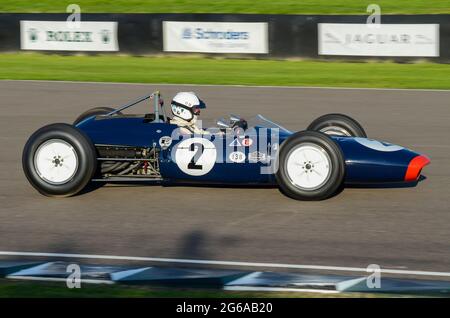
{"points": [[420, 40]]}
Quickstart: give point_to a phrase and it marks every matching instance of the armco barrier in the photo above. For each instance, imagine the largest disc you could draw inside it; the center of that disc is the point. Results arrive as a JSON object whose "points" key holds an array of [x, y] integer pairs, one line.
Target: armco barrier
{"points": [[289, 35], [215, 278]]}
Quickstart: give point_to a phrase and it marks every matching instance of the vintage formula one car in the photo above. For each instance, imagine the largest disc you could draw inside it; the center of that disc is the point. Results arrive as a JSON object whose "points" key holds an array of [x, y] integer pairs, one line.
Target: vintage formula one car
{"points": [[106, 145]]}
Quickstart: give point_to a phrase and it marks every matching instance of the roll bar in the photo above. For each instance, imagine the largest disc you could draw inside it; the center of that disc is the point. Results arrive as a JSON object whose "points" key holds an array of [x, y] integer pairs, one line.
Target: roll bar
{"points": [[157, 106]]}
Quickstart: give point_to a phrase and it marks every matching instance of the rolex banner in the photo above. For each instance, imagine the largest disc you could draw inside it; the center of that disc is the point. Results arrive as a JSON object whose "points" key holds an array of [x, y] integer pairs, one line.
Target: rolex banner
{"points": [[68, 36]]}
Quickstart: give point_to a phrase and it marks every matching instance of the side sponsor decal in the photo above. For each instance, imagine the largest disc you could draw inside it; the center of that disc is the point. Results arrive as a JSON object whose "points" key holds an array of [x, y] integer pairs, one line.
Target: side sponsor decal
{"points": [[237, 156], [377, 145], [165, 142], [247, 142], [257, 156], [195, 156], [235, 142]]}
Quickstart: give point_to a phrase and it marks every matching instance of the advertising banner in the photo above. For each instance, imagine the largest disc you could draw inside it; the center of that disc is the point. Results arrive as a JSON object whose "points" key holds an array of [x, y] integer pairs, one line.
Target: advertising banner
{"points": [[216, 37], [420, 40], [66, 36]]}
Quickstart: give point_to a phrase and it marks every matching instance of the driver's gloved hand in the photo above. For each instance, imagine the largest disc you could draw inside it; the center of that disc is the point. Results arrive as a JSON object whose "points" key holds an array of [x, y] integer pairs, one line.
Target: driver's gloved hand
{"points": [[242, 123]]}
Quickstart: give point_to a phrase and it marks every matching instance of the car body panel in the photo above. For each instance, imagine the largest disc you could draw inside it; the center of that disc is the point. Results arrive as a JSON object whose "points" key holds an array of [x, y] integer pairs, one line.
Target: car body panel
{"points": [[129, 131], [372, 161], [366, 160]]}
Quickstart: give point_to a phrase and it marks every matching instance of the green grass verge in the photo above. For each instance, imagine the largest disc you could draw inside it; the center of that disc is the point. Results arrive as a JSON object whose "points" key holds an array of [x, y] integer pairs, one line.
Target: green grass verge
{"points": [[27, 289], [197, 70], [230, 6]]}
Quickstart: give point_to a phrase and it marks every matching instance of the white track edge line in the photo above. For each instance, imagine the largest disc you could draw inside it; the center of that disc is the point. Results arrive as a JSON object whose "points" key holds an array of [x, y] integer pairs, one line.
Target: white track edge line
{"points": [[56, 279], [234, 85], [225, 263], [279, 289]]}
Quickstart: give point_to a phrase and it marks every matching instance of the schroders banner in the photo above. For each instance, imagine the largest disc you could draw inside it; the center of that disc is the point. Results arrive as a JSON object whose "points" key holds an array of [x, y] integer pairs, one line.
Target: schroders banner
{"points": [[66, 36], [419, 40], [216, 37]]}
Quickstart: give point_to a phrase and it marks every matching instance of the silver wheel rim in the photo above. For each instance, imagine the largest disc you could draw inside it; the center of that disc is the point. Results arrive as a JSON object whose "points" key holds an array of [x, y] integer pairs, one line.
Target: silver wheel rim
{"points": [[56, 161], [308, 166], [335, 131]]}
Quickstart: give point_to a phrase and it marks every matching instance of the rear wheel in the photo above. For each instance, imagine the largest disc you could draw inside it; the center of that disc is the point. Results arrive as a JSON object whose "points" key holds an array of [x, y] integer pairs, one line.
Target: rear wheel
{"points": [[59, 160], [94, 112], [311, 166], [338, 125]]}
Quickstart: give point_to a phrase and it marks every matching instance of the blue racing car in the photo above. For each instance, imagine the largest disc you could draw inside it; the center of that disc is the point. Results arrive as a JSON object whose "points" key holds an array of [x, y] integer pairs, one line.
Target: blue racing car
{"points": [[106, 145]]}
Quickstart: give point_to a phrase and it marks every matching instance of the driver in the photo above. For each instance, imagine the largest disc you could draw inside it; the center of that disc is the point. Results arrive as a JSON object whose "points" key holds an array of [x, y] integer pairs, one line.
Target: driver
{"points": [[185, 108]]}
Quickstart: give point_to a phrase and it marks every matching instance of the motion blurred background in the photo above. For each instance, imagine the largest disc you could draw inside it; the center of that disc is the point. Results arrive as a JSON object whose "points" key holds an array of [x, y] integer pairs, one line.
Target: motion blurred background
{"points": [[287, 42]]}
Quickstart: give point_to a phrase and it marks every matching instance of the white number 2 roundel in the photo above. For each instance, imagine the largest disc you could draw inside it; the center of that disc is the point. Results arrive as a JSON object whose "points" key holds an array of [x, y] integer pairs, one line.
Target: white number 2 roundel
{"points": [[195, 156]]}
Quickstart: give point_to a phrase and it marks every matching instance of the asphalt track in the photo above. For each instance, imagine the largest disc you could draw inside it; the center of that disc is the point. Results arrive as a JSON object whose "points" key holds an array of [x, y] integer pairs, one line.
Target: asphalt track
{"points": [[402, 228]]}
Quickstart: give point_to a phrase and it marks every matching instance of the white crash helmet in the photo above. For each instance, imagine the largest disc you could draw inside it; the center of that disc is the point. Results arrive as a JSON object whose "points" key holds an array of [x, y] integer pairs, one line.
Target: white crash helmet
{"points": [[186, 105]]}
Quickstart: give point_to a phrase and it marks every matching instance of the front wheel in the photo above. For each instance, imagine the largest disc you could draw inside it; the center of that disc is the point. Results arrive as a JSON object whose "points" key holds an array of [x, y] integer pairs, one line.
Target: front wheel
{"points": [[311, 166], [59, 160], [338, 125]]}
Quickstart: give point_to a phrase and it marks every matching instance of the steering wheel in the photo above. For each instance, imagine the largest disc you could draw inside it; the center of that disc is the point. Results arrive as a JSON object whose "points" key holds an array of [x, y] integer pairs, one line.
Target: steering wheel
{"points": [[240, 126]]}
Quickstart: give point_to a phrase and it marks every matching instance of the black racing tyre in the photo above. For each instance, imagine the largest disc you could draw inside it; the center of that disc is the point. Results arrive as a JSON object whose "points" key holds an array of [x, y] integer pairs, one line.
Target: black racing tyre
{"points": [[94, 112], [310, 166], [338, 125], [59, 160]]}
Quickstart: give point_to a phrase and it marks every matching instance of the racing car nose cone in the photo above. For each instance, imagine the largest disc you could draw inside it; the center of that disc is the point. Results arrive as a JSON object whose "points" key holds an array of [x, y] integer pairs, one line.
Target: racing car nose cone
{"points": [[415, 166]]}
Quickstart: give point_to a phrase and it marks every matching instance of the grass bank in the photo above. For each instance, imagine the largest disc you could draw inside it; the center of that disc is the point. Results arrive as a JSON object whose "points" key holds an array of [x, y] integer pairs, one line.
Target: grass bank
{"points": [[197, 70]]}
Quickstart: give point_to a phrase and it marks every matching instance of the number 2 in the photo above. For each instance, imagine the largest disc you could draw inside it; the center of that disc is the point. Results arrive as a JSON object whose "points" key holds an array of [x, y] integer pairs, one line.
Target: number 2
{"points": [[193, 164]]}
